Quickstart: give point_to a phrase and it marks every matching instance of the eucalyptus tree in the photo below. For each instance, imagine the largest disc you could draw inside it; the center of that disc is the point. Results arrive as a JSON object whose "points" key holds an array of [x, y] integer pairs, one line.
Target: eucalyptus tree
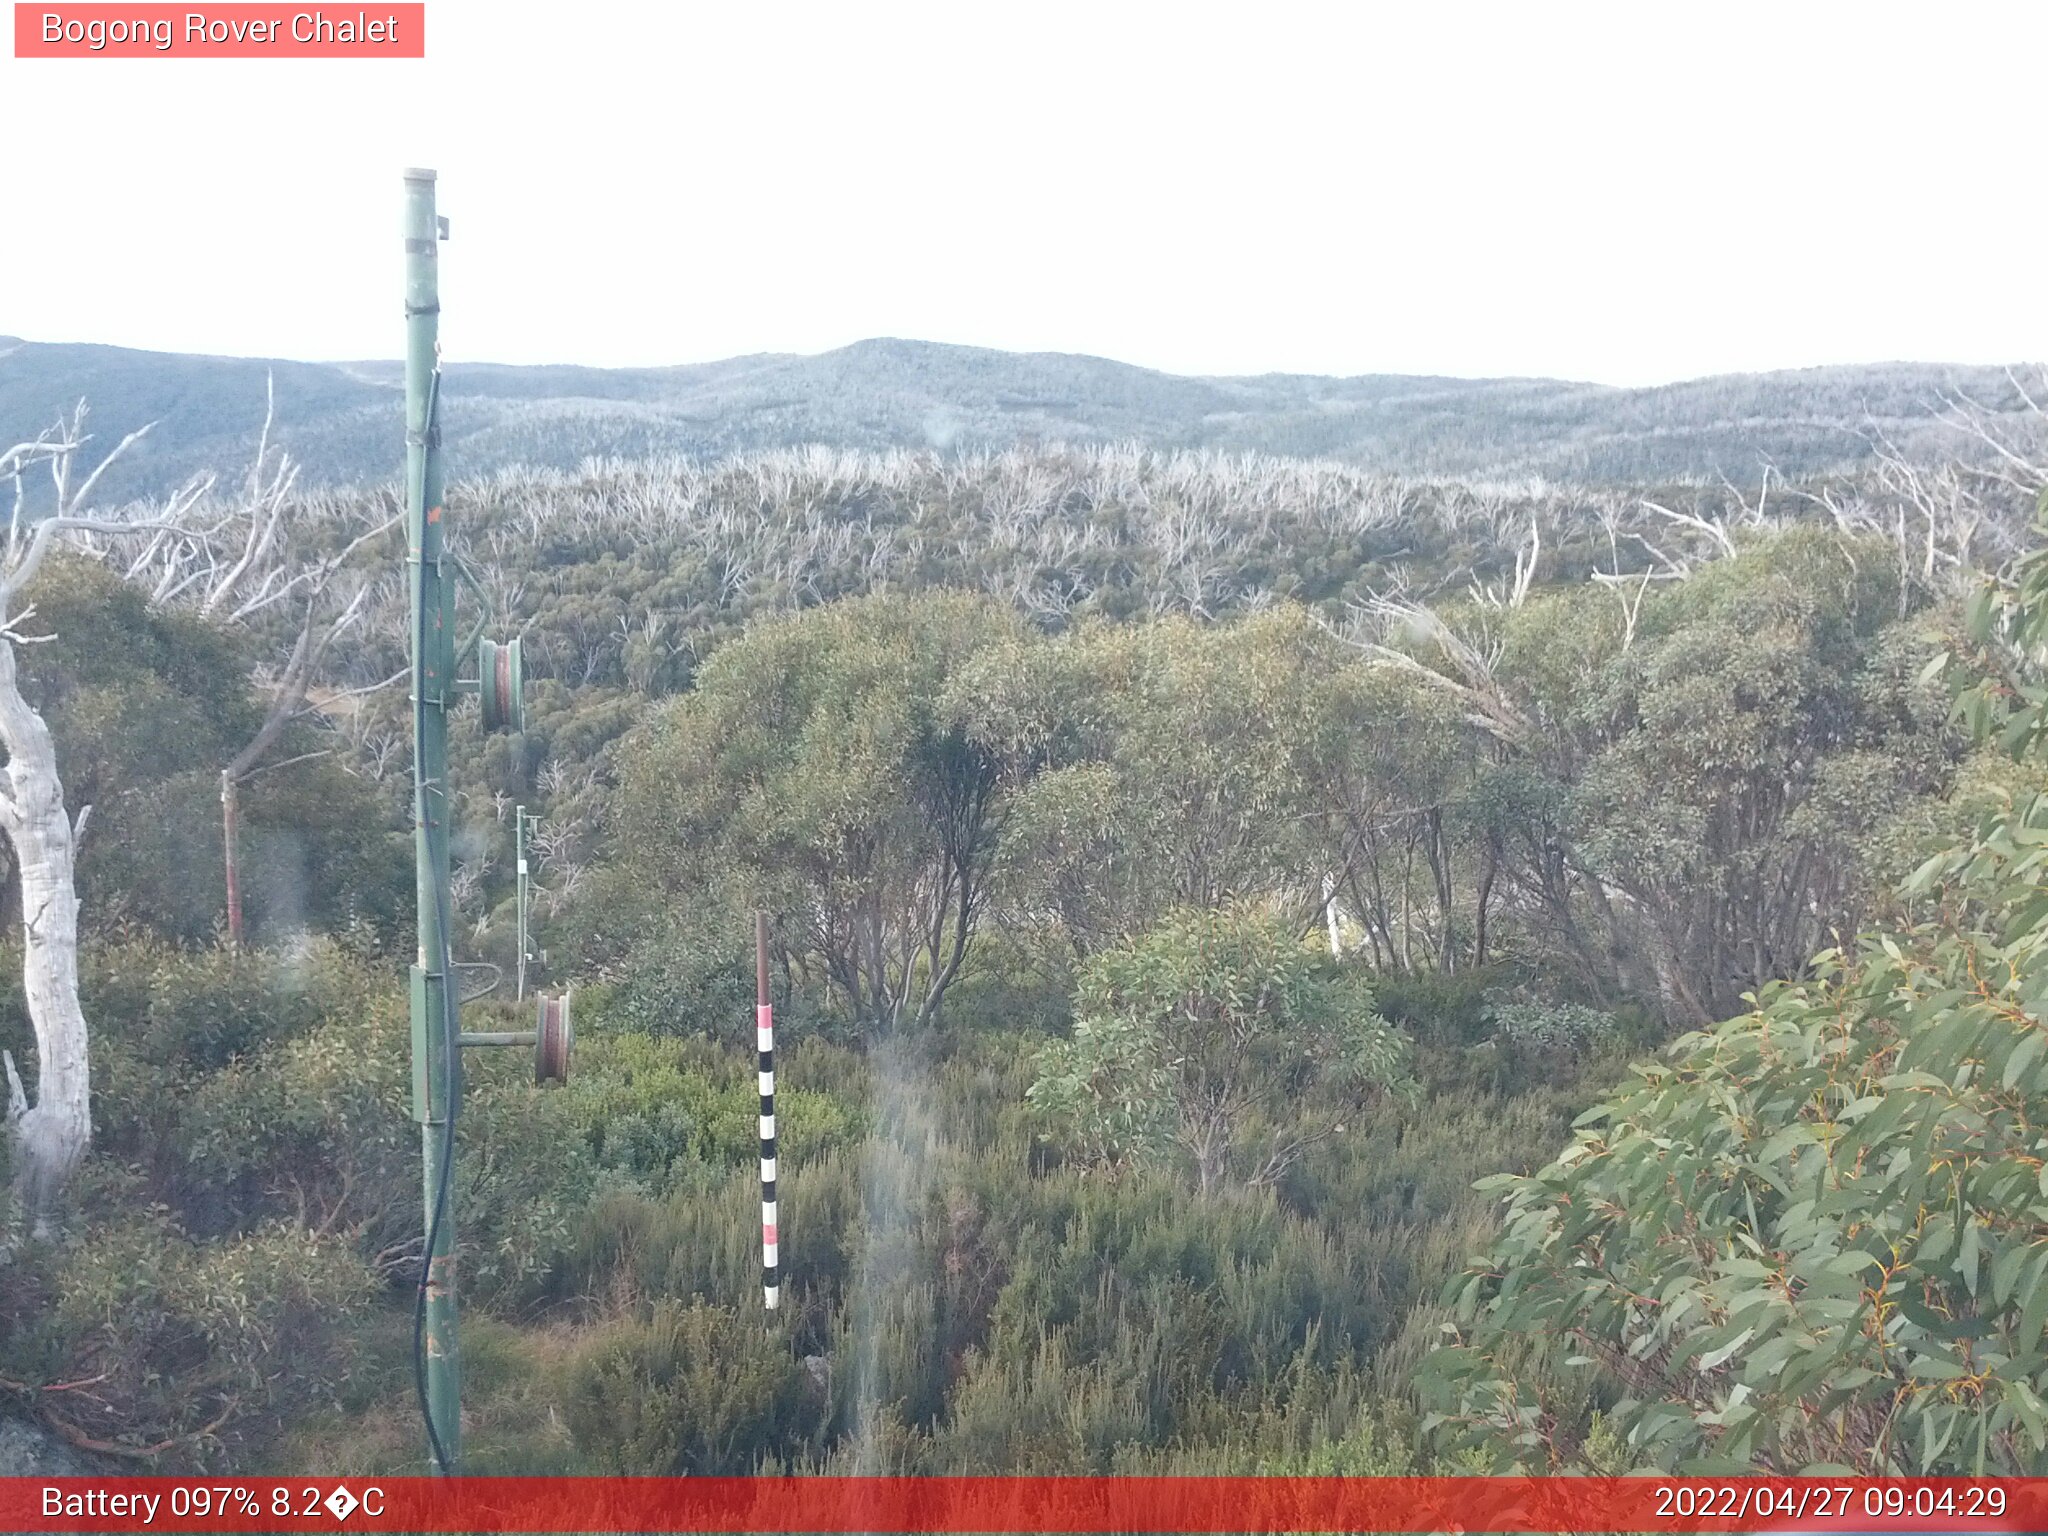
{"points": [[284, 568], [826, 768], [1675, 788], [266, 574], [1170, 772], [1808, 1238], [1388, 780]]}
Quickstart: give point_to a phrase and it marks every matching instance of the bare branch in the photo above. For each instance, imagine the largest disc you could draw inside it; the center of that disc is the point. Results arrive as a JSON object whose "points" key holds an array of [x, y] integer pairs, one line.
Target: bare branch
{"points": [[93, 479], [24, 571], [1713, 530]]}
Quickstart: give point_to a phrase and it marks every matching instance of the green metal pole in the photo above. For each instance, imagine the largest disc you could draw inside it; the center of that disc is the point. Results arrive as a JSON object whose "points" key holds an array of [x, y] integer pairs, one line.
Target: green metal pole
{"points": [[436, 1063]]}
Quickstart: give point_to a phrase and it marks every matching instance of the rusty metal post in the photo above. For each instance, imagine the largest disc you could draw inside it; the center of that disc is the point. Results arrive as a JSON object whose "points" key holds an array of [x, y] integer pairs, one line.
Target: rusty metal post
{"points": [[230, 828]]}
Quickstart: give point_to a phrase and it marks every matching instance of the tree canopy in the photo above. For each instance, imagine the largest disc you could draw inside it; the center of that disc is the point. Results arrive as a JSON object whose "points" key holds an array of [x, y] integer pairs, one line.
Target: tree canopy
{"points": [[1810, 1238]]}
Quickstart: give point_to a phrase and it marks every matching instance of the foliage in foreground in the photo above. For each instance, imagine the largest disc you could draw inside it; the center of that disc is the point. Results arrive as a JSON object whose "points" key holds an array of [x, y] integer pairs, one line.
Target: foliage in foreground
{"points": [[1813, 1238]]}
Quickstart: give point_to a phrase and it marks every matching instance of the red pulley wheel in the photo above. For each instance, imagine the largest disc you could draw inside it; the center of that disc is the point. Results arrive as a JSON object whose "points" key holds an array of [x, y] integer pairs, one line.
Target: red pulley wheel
{"points": [[501, 685], [552, 1039]]}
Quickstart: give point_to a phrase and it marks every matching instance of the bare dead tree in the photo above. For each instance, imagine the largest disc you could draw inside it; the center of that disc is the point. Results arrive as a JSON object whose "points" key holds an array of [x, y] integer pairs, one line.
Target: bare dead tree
{"points": [[265, 573], [1714, 528], [1471, 682], [1517, 592]]}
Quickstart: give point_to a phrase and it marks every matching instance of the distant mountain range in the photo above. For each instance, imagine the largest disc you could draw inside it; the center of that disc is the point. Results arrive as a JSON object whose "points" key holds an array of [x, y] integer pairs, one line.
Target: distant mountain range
{"points": [[342, 420]]}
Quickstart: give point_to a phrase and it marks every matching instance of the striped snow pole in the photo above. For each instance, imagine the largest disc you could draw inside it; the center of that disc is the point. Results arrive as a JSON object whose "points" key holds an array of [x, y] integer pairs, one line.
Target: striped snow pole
{"points": [[764, 1039]]}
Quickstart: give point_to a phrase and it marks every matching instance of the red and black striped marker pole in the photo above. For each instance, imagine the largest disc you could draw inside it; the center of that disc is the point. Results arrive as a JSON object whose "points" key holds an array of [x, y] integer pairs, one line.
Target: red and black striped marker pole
{"points": [[764, 1033]]}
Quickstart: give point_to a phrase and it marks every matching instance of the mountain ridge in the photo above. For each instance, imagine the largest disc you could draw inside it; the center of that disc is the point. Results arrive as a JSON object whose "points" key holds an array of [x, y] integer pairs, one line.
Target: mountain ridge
{"points": [[338, 418]]}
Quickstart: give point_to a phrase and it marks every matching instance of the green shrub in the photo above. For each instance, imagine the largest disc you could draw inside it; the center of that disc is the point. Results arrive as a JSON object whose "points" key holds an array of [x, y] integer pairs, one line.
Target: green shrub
{"points": [[314, 1128], [691, 1390], [669, 978], [1439, 1008], [644, 1104], [1547, 1041], [191, 1347], [1219, 1040], [188, 1011]]}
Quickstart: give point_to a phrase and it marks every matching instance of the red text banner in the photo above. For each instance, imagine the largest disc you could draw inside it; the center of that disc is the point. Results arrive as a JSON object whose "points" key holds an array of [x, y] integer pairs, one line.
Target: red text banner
{"points": [[233, 31], [1024, 1504]]}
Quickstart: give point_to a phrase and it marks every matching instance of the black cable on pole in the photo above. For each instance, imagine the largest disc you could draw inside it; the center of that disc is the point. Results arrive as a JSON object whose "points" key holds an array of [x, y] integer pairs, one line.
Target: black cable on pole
{"points": [[451, 1100], [448, 1027]]}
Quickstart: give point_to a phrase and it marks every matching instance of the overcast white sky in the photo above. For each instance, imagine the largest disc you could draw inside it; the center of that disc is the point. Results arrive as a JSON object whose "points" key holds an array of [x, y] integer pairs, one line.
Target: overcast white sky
{"points": [[1629, 193]]}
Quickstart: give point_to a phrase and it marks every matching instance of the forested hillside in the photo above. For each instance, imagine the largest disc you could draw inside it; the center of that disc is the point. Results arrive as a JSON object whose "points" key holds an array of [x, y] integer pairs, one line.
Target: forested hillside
{"points": [[882, 394], [1215, 900]]}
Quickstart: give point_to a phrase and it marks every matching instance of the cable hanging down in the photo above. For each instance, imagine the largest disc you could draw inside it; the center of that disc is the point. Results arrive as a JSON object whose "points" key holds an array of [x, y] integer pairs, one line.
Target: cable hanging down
{"points": [[444, 958]]}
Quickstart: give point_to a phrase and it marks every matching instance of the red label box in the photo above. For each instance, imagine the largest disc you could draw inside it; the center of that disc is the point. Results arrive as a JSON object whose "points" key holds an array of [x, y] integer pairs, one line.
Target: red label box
{"points": [[233, 31], [1048, 1506]]}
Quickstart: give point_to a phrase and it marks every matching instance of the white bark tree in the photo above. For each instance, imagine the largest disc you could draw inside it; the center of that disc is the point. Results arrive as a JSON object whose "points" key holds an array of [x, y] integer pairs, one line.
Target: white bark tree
{"points": [[51, 1131], [229, 559]]}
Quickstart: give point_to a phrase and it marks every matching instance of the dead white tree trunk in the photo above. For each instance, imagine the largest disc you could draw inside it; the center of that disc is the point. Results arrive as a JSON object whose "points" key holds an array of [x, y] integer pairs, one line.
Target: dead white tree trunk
{"points": [[51, 1132]]}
